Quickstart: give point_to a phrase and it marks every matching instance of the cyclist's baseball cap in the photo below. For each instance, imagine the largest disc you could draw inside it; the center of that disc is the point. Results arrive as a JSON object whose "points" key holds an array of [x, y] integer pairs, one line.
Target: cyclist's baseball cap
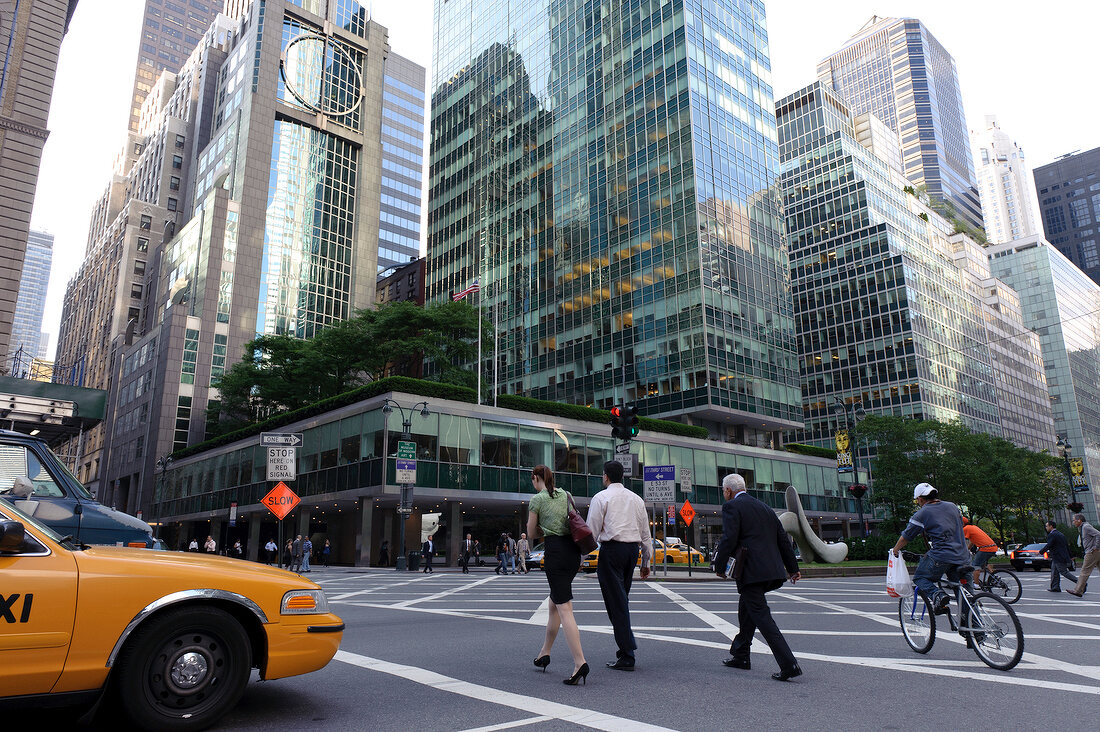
{"points": [[922, 489]]}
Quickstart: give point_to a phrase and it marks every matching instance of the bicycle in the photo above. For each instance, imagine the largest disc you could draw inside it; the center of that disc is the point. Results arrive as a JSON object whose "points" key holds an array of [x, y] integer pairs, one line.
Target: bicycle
{"points": [[1000, 582], [987, 622]]}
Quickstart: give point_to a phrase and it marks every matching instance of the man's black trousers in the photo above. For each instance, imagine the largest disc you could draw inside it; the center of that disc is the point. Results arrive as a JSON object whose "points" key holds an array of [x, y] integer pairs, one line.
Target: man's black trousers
{"points": [[753, 614], [615, 571]]}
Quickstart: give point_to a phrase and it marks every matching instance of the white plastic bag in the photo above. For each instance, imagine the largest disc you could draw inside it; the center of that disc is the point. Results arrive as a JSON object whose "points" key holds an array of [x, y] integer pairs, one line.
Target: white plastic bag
{"points": [[898, 583]]}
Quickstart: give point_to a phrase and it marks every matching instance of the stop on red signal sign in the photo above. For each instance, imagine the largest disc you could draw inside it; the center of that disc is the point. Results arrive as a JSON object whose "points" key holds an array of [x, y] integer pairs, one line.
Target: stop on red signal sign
{"points": [[281, 500]]}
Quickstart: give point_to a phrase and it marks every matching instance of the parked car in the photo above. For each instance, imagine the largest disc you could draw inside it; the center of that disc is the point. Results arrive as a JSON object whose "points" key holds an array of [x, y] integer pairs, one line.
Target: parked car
{"points": [[37, 483], [167, 640]]}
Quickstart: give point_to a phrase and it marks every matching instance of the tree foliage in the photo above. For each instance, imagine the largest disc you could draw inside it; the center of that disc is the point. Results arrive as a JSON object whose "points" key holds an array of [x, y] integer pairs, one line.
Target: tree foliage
{"points": [[280, 373], [1008, 487]]}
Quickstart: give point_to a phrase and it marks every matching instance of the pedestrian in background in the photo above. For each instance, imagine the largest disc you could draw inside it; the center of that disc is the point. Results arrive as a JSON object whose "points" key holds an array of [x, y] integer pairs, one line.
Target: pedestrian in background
{"points": [[502, 554], [326, 550], [307, 553], [548, 512], [428, 550], [193, 546], [618, 520], [1090, 543], [384, 554], [296, 553], [210, 546], [288, 553], [523, 550], [238, 550], [477, 553], [272, 550], [1060, 558], [467, 550], [766, 563], [510, 551]]}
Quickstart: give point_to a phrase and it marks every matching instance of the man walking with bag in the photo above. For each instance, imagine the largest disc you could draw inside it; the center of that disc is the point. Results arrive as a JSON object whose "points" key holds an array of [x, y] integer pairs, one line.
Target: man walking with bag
{"points": [[765, 560], [619, 523], [1090, 542], [467, 550]]}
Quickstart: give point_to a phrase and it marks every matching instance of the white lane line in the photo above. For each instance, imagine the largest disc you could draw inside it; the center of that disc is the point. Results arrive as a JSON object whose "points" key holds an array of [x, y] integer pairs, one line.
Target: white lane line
{"points": [[714, 621], [912, 665], [1050, 618], [444, 593], [374, 589], [510, 725], [529, 704], [542, 614]]}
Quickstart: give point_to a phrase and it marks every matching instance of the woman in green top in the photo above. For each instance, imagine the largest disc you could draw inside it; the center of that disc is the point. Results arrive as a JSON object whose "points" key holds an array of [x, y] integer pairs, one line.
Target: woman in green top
{"points": [[548, 514]]}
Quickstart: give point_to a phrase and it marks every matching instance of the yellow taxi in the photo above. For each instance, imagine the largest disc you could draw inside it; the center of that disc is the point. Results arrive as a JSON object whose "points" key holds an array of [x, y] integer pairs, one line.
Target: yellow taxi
{"points": [[167, 639], [678, 553]]}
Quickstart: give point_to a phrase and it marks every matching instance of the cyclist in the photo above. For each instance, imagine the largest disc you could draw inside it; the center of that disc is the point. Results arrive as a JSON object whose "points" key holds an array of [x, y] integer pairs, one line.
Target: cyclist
{"points": [[941, 524], [984, 547]]}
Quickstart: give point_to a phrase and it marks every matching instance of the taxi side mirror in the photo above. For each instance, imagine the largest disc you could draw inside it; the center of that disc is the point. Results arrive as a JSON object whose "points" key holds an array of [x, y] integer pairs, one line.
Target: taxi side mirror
{"points": [[12, 536]]}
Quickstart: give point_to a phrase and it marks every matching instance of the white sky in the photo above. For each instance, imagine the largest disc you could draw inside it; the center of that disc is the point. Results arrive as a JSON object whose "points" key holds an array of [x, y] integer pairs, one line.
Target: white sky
{"points": [[1030, 64]]}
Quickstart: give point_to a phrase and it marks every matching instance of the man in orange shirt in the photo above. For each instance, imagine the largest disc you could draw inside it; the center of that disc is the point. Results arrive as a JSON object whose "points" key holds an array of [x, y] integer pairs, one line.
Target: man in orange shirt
{"points": [[984, 547]]}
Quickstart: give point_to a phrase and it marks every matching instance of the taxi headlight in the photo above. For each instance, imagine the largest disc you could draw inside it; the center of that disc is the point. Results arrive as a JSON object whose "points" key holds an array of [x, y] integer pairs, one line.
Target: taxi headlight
{"points": [[304, 602]]}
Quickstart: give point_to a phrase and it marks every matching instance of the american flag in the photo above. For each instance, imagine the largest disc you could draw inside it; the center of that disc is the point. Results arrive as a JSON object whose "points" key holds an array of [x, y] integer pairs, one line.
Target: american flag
{"points": [[474, 287]]}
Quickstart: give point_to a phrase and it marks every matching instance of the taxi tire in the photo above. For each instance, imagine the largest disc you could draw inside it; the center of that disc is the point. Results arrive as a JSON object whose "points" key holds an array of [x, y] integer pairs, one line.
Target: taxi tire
{"points": [[216, 633]]}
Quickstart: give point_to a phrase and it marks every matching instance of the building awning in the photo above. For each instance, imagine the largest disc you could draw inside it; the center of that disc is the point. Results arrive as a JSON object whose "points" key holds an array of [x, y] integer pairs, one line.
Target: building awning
{"points": [[52, 412]]}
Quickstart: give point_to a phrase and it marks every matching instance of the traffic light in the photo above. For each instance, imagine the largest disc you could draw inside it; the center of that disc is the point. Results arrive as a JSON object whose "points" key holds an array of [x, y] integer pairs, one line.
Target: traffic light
{"points": [[624, 422]]}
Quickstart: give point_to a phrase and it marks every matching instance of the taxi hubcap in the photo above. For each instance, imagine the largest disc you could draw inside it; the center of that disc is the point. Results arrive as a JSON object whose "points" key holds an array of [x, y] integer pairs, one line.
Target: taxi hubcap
{"points": [[189, 670]]}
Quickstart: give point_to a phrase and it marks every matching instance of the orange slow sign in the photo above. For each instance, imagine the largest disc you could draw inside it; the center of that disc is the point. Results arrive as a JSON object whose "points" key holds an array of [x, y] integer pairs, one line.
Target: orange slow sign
{"points": [[687, 512], [281, 500]]}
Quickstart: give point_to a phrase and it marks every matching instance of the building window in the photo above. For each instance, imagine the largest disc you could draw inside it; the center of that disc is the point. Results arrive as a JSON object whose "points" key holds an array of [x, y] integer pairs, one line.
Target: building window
{"points": [[146, 222], [135, 291], [139, 266], [172, 204], [177, 162], [190, 356], [180, 141], [142, 244], [174, 183]]}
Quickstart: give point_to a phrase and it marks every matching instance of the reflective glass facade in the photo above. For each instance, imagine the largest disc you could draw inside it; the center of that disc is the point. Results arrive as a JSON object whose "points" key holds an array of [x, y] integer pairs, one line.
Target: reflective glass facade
{"points": [[885, 318], [607, 171], [1062, 304], [1069, 205], [26, 327], [402, 163], [895, 69]]}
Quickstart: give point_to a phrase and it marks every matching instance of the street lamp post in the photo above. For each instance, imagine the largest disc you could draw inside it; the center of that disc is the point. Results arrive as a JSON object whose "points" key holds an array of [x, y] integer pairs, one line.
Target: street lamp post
{"points": [[404, 509], [1065, 448], [853, 414], [163, 463]]}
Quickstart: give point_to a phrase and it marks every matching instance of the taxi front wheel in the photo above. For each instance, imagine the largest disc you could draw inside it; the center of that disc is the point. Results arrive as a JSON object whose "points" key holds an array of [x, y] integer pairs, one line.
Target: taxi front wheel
{"points": [[183, 669]]}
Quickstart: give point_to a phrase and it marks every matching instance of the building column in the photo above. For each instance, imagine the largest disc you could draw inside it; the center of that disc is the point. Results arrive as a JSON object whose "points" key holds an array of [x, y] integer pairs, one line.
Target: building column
{"points": [[303, 522], [454, 535], [363, 536], [254, 521]]}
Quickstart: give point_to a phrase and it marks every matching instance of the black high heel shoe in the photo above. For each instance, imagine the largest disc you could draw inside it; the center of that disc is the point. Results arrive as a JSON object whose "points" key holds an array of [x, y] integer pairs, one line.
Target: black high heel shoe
{"points": [[542, 662], [580, 675]]}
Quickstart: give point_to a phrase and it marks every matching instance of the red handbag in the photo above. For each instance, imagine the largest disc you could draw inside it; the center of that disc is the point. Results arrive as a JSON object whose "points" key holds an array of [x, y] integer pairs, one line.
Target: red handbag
{"points": [[582, 535]]}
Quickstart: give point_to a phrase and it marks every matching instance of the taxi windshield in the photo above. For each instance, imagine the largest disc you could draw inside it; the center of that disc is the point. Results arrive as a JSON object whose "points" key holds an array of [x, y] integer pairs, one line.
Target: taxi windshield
{"points": [[10, 511]]}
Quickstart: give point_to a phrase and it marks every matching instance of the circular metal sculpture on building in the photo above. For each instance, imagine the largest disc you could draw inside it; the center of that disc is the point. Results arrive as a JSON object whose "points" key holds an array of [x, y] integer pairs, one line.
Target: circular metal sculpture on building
{"points": [[322, 75]]}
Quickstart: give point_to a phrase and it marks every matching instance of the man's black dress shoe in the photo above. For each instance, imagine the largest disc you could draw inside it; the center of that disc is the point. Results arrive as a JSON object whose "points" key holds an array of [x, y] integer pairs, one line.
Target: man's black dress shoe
{"points": [[737, 663], [787, 674], [621, 664]]}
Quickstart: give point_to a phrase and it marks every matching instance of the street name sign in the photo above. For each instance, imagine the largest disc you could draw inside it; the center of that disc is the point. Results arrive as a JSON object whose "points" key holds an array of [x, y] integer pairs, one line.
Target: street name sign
{"points": [[281, 439], [281, 463], [406, 471], [659, 483], [406, 450], [281, 500]]}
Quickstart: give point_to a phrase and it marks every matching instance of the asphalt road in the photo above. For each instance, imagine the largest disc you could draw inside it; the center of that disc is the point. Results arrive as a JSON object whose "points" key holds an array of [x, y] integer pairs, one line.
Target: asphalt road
{"points": [[453, 652]]}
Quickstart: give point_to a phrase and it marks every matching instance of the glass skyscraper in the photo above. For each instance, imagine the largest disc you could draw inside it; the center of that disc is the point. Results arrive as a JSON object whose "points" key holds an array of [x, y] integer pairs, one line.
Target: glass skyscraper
{"points": [[26, 332], [606, 172], [886, 319], [1062, 304], [895, 69], [1069, 204]]}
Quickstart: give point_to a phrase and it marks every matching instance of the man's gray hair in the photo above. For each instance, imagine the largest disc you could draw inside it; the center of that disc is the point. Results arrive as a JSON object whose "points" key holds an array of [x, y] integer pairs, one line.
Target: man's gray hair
{"points": [[733, 482], [1079, 517]]}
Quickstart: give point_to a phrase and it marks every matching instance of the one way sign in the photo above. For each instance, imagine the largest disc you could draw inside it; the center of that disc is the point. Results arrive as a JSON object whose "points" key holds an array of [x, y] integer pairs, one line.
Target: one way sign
{"points": [[281, 439]]}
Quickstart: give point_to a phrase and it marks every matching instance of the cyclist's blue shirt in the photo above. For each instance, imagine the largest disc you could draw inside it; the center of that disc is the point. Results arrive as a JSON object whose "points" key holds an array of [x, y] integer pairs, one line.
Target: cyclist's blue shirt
{"points": [[941, 523]]}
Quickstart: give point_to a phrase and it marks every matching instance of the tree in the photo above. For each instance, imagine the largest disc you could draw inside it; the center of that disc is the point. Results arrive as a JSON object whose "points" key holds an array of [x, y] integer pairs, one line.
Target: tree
{"points": [[279, 373]]}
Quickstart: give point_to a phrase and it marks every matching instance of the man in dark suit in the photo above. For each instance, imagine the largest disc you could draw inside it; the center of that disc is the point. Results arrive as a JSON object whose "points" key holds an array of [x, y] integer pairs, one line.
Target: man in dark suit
{"points": [[1060, 558], [467, 551], [768, 561], [428, 551]]}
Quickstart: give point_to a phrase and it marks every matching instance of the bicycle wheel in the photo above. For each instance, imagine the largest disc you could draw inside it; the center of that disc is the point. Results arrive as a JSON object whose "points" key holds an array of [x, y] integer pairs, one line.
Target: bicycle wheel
{"points": [[1003, 584], [994, 631], [918, 624]]}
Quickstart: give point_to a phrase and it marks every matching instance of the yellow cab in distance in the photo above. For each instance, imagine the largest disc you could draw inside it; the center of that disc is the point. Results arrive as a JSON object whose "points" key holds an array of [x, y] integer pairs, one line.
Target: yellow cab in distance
{"points": [[678, 553], [167, 639]]}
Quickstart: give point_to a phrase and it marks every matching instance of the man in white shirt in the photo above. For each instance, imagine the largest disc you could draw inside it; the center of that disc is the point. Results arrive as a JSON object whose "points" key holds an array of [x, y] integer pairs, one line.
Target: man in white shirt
{"points": [[272, 550], [618, 520]]}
